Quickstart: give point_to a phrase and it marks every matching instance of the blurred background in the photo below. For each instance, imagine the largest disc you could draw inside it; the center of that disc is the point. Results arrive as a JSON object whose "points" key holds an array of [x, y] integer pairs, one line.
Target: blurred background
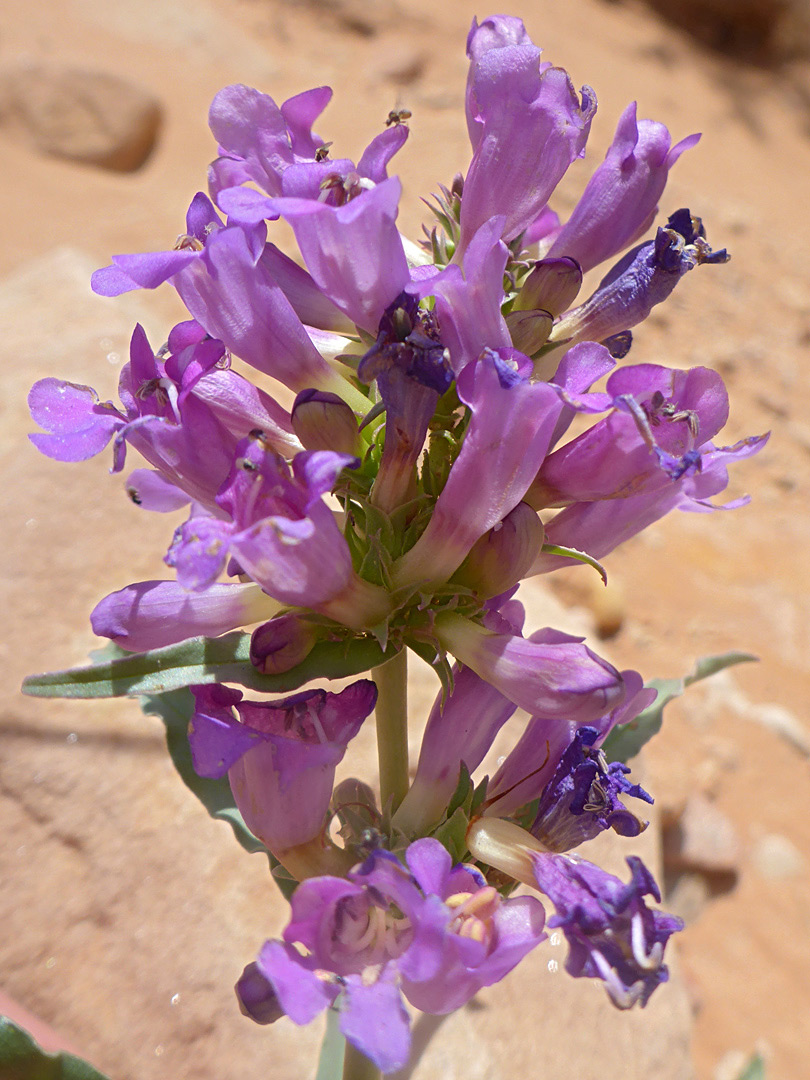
{"points": [[127, 914]]}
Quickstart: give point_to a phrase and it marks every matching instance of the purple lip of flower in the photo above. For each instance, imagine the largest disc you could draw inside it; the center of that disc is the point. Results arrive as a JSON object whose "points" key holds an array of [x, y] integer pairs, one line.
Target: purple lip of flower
{"points": [[229, 289], [612, 934], [278, 528], [277, 149], [280, 756], [258, 140], [429, 930], [644, 277], [599, 527], [582, 798], [662, 420], [166, 418]]}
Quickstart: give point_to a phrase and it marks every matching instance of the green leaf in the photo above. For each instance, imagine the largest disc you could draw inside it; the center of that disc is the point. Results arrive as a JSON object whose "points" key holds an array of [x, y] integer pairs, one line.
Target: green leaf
{"points": [[205, 660], [175, 710], [22, 1059], [625, 741], [330, 1062], [754, 1069]]}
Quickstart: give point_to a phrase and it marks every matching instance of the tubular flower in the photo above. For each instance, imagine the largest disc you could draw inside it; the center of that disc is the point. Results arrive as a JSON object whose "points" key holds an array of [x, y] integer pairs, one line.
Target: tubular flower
{"points": [[280, 756]]}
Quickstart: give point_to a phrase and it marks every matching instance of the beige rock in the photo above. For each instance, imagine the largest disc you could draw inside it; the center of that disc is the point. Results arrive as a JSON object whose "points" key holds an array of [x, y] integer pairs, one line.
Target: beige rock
{"points": [[776, 857], [702, 838], [87, 116]]}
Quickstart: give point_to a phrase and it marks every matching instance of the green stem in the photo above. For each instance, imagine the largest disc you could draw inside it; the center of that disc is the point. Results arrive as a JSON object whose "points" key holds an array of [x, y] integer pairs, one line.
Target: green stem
{"points": [[392, 727], [356, 1066]]}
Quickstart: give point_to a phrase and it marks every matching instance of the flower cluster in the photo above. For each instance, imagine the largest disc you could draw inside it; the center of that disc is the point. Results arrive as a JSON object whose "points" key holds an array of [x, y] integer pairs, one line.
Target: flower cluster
{"points": [[423, 469]]}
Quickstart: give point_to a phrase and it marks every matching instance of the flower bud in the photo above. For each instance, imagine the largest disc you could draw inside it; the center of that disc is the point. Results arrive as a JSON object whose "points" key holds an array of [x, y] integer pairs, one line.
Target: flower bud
{"points": [[505, 846], [281, 644], [323, 421], [503, 555], [257, 997], [551, 285], [529, 330]]}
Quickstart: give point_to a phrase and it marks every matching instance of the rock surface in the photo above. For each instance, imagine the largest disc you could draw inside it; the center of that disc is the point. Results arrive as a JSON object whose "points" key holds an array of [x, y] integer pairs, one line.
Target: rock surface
{"points": [[87, 116]]}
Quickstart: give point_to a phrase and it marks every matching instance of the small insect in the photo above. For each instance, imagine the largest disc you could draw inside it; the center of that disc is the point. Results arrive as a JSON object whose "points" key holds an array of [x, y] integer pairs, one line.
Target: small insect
{"points": [[398, 116], [659, 407], [322, 153]]}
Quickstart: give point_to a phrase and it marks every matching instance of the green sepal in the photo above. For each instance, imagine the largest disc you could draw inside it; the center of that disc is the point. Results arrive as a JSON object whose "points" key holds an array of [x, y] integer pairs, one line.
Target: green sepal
{"points": [[463, 795], [22, 1059], [574, 553], [452, 833], [175, 710], [479, 797], [625, 741], [201, 660], [287, 884]]}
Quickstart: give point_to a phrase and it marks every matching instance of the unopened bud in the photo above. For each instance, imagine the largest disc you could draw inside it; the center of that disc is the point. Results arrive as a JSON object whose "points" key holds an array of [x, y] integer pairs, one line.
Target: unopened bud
{"points": [[552, 285], [281, 644], [529, 330], [504, 555], [257, 997], [323, 421], [505, 846]]}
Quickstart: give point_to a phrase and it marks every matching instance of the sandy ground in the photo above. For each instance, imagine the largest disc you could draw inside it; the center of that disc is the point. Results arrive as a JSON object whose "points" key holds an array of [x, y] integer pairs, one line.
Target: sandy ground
{"points": [[115, 891]]}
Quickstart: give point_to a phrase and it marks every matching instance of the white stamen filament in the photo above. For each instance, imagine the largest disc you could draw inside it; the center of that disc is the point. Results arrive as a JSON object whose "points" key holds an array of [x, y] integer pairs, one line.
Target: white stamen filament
{"points": [[646, 961]]}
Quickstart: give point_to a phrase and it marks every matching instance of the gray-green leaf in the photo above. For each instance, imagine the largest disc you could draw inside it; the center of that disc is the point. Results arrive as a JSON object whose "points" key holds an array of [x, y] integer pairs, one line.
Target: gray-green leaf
{"points": [[625, 741], [175, 710], [205, 660]]}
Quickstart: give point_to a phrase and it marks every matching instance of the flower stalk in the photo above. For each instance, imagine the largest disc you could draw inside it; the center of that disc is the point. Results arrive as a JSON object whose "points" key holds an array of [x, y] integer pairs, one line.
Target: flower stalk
{"points": [[391, 713], [356, 1066]]}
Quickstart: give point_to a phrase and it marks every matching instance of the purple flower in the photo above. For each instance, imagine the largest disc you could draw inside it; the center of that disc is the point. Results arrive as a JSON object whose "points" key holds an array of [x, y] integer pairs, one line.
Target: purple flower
{"points": [[599, 527], [433, 932], [277, 528], [621, 199], [280, 756], [643, 278], [534, 767], [547, 674], [258, 141], [409, 365], [229, 289], [165, 418], [661, 420], [526, 126], [276, 148], [583, 797], [151, 614], [508, 436], [612, 934]]}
